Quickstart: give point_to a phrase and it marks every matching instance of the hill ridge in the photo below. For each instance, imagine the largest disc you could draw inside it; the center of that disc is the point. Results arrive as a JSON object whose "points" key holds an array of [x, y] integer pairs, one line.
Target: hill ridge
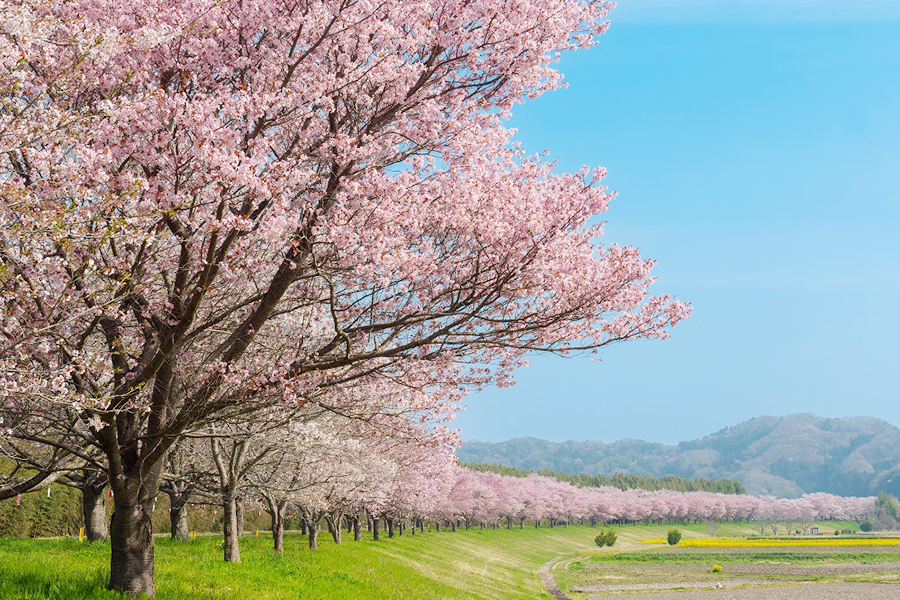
{"points": [[779, 455]]}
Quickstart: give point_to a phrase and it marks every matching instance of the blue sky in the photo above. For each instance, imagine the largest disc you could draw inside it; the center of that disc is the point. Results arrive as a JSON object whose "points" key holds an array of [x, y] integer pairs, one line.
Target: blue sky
{"points": [[755, 147]]}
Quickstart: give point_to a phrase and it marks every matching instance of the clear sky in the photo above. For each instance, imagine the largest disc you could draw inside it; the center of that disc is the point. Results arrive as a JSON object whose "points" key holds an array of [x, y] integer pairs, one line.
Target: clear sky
{"points": [[755, 147]]}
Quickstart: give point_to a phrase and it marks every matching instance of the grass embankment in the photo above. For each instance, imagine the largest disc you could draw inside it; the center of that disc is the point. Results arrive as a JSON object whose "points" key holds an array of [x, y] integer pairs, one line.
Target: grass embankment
{"points": [[472, 565], [489, 565]]}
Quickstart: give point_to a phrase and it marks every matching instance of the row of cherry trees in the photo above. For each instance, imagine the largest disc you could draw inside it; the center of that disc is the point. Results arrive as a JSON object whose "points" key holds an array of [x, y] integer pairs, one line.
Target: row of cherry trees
{"points": [[489, 497], [333, 471], [338, 474]]}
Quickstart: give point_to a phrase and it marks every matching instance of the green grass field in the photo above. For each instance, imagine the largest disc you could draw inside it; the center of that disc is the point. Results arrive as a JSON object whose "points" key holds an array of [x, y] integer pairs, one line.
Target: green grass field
{"points": [[731, 562], [491, 565]]}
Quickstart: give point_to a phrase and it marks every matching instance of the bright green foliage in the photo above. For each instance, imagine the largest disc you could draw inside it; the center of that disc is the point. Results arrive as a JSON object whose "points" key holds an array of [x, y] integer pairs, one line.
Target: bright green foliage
{"points": [[889, 504], [673, 537], [606, 537]]}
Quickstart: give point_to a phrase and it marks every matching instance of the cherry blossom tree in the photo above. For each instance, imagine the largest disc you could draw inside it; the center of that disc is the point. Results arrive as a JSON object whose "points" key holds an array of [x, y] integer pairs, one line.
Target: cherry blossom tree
{"points": [[213, 206]]}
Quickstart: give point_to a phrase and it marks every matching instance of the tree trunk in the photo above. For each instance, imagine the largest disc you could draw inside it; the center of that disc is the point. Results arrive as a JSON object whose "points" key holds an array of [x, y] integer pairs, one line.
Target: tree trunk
{"points": [[375, 529], [131, 535], [278, 529], [179, 522], [93, 503], [230, 526], [390, 528], [452, 524], [313, 528], [357, 532], [239, 512], [334, 527], [437, 525]]}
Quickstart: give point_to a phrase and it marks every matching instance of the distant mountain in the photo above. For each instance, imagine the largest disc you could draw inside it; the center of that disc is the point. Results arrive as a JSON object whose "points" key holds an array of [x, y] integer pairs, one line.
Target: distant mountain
{"points": [[784, 456]]}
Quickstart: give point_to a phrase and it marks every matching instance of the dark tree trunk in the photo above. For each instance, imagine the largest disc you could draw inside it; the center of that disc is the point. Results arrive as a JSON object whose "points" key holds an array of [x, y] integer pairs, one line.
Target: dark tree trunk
{"points": [[131, 535], [375, 529], [390, 528], [276, 511], [357, 531], [230, 525], [452, 524], [179, 523], [178, 503], [93, 503], [334, 527], [239, 515], [278, 535], [437, 525], [303, 528]]}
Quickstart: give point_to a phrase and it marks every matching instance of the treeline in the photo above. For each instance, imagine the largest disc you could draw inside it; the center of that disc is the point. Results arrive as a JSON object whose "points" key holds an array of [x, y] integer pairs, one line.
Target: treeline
{"points": [[61, 513], [623, 481]]}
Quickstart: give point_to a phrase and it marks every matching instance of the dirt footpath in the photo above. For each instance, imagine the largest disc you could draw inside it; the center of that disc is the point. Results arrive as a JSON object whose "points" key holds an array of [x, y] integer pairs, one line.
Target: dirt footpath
{"points": [[802, 591]]}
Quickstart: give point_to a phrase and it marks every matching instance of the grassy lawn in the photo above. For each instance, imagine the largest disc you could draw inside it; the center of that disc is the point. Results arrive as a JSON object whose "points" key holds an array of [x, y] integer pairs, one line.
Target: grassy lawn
{"points": [[490, 565]]}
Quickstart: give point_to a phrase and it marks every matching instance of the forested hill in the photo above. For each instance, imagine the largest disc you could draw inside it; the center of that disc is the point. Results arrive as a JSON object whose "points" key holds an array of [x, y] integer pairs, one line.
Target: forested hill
{"points": [[624, 481], [784, 456]]}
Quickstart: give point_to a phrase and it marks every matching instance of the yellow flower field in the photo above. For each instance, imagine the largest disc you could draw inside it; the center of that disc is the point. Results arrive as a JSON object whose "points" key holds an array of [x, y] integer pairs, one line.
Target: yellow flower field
{"points": [[802, 543]]}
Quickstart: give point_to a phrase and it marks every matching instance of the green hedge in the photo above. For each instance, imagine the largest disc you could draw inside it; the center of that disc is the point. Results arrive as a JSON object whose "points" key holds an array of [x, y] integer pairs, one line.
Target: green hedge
{"points": [[40, 516], [60, 515]]}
